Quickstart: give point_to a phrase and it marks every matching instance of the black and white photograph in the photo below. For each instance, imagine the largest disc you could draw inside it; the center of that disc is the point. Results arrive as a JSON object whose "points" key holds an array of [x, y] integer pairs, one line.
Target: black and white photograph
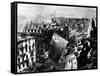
{"points": [[53, 38]]}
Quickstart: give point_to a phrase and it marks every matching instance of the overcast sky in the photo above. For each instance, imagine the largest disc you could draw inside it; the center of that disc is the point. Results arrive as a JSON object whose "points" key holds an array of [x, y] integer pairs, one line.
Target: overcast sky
{"points": [[27, 12]]}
